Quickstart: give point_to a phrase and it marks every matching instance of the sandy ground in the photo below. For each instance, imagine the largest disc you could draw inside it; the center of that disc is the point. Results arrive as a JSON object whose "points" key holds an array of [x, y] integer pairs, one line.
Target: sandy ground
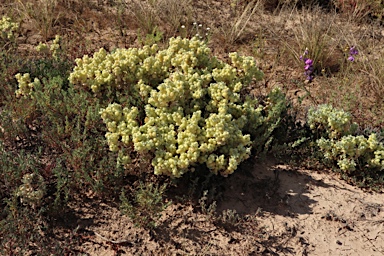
{"points": [[282, 212], [325, 216]]}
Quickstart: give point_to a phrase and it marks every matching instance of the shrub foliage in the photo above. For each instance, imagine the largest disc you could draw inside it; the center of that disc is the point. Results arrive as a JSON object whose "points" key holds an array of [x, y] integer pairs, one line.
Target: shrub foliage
{"points": [[180, 105], [353, 154]]}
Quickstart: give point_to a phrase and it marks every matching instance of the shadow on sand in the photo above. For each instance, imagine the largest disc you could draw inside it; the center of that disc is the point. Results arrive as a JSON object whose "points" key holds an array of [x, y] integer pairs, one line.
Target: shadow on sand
{"points": [[268, 187]]}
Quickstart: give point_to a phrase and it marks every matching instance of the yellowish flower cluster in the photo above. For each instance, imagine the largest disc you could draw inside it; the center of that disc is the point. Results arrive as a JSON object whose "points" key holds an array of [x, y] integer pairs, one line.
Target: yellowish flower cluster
{"points": [[350, 152], [8, 28], [378, 160], [118, 69], [42, 47], [336, 123], [33, 189], [120, 124], [192, 112], [54, 48], [25, 84], [246, 66]]}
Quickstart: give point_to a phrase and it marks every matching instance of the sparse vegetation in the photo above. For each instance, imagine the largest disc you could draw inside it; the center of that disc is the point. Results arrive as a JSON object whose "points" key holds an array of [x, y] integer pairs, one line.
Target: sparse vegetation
{"points": [[142, 108], [147, 205]]}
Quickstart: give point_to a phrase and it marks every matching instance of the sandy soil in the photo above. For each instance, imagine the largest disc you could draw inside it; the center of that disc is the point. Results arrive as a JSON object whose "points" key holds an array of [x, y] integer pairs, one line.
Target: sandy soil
{"points": [[282, 212]]}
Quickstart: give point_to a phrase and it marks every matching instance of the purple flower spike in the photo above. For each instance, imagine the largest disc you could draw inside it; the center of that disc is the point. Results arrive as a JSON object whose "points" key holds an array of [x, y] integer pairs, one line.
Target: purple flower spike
{"points": [[309, 62], [308, 66], [353, 51]]}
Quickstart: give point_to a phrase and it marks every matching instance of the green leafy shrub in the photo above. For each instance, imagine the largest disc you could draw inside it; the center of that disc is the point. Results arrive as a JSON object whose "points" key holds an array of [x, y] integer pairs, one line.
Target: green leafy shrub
{"points": [[65, 121], [14, 167], [353, 154], [21, 202], [74, 133], [52, 149], [180, 104]]}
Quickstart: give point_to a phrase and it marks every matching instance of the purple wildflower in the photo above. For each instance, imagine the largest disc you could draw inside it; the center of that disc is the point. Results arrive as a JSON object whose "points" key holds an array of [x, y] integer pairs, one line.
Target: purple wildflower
{"points": [[309, 62], [352, 51], [351, 58], [302, 56], [308, 65]]}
